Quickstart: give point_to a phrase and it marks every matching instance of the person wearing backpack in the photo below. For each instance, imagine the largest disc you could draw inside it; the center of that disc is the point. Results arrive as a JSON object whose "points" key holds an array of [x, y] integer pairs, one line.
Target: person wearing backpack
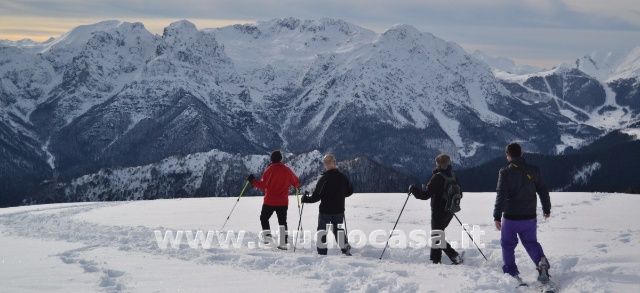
{"points": [[515, 212], [441, 181]]}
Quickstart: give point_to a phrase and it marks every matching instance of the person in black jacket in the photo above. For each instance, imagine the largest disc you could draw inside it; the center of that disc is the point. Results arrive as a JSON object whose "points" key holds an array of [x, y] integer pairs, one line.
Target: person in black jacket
{"points": [[515, 211], [440, 217], [331, 190]]}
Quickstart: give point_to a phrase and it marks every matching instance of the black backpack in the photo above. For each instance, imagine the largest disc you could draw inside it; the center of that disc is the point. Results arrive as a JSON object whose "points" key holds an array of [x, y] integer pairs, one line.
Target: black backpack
{"points": [[452, 193], [527, 188]]}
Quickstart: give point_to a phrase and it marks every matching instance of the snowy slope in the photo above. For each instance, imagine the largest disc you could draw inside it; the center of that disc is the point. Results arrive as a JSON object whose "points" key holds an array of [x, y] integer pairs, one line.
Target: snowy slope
{"points": [[111, 247], [579, 96], [620, 71]]}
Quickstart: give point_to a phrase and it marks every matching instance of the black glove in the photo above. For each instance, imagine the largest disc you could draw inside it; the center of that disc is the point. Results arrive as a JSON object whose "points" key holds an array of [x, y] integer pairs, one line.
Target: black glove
{"points": [[251, 178], [305, 197], [415, 190]]}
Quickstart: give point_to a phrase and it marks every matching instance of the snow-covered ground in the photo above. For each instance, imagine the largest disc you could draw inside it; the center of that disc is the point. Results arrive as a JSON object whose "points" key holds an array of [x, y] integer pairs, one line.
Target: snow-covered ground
{"points": [[592, 241]]}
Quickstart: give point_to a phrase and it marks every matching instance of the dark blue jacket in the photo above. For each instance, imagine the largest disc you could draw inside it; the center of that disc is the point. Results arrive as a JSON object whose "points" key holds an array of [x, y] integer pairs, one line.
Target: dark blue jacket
{"points": [[434, 190], [518, 184]]}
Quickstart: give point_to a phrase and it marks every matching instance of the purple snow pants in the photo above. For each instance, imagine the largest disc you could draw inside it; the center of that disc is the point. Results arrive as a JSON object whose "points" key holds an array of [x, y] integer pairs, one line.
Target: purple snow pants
{"points": [[526, 230]]}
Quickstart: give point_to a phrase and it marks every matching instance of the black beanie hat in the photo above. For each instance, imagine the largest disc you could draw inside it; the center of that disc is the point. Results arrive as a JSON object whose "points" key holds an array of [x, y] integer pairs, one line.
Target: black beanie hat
{"points": [[276, 157], [514, 150]]}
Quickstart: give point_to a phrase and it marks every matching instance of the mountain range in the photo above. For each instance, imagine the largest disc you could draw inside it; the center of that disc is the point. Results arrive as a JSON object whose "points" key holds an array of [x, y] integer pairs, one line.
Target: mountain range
{"points": [[112, 111]]}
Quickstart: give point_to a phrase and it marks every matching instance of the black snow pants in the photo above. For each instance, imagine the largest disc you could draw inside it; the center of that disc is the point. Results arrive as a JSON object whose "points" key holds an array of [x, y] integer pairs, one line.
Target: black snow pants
{"points": [[439, 221], [281, 213], [334, 220]]}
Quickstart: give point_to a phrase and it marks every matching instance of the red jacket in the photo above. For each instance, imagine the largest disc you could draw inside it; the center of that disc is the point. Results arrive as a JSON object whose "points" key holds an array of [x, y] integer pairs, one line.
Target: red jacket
{"points": [[275, 183]]}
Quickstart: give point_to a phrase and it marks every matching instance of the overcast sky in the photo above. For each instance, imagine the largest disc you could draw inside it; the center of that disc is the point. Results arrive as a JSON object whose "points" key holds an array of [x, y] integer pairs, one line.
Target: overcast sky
{"points": [[537, 32]]}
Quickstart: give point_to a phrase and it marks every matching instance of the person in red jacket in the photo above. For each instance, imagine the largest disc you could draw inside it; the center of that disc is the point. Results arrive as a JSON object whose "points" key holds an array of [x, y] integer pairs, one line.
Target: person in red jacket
{"points": [[275, 183]]}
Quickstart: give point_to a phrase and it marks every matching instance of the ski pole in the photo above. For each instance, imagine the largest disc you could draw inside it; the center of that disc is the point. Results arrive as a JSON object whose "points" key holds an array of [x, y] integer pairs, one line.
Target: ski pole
{"points": [[295, 240], [346, 232], [344, 219], [465, 229], [298, 200], [234, 206], [394, 226]]}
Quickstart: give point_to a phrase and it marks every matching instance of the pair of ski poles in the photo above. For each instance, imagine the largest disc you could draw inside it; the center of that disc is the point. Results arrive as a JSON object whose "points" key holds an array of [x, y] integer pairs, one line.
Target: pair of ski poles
{"points": [[300, 210], [244, 188], [396, 224]]}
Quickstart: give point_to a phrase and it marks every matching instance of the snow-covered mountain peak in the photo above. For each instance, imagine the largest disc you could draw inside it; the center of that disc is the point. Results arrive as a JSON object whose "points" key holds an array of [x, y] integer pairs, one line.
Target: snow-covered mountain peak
{"points": [[629, 67], [92, 62], [24, 80], [25, 43], [288, 43], [611, 65], [79, 35], [288, 23], [110, 43], [187, 62], [183, 36], [282, 25], [332, 23], [562, 68], [327, 27], [406, 79], [273, 55], [402, 32], [408, 42], [180, 27], [89, 39], [182, 41]]}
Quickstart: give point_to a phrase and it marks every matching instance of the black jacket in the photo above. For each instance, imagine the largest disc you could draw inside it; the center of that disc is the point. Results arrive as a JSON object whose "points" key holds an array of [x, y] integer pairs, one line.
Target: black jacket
{"points": [[331, 190], [514, 198], [435, 189]]}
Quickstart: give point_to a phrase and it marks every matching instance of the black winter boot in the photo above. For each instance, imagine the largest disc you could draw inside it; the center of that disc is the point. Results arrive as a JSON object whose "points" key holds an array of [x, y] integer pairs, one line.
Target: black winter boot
{"points": [[543, 270]]}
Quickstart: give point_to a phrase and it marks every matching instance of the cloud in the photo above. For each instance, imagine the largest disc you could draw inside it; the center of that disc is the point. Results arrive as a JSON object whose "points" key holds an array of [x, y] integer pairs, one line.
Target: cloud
{"points": [[541, 47], [539, 13], [627, 10]]}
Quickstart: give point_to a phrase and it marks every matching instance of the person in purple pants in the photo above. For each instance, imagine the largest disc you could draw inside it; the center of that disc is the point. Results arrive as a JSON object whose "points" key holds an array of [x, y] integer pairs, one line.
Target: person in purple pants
{"points": [[515, 211]]}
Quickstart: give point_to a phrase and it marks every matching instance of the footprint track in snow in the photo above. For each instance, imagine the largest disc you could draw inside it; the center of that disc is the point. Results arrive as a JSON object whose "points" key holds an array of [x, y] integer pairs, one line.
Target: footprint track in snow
{"points": [[109, 279]]}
